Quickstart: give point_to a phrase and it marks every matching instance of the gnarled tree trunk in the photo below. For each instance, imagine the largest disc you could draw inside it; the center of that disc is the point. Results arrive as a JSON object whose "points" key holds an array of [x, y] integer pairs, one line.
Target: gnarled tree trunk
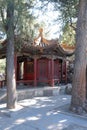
{"points": [[79, 79]]}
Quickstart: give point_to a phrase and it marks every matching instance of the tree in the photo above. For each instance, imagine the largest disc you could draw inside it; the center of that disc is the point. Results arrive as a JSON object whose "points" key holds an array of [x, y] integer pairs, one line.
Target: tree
{"points": [[24, 19], [79, 85], [79, 78], [10, 23], [68, 11], [78, 101], [11, 83], [68, 16]]}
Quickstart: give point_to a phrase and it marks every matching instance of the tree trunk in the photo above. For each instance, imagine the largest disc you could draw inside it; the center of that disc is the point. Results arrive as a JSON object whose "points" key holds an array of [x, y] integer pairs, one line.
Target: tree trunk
{"points": [[79, 78], [11, 82]]}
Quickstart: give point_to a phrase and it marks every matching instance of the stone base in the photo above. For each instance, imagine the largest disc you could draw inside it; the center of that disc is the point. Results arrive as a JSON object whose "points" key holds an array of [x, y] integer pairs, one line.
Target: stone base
{"points": [[32, 92]]}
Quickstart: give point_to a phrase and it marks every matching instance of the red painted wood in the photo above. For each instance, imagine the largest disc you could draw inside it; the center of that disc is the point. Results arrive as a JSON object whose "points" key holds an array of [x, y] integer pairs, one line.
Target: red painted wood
{"points": [[28, 71], [35, 72], [60, 70], [57, 71], [29, 76], [65, 72], [49, 71], [42, 69], [52, 80]]}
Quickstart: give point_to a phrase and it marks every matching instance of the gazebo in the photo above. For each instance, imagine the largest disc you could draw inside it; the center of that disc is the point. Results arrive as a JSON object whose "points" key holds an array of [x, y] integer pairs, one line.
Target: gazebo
{"points": [[40, 61]]}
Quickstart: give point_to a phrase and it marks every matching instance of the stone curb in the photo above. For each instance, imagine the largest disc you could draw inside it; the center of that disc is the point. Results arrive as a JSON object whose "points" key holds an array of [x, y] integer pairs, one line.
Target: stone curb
{"points": [[34, 92]]}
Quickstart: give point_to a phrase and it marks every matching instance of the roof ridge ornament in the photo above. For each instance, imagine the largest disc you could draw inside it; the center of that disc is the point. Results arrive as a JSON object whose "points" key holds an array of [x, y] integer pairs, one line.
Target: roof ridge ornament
{"points": [[41, 32], [39, 41]]}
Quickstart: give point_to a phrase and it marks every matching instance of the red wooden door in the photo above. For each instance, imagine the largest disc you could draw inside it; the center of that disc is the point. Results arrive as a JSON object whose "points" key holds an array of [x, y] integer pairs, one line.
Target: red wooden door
{"points": [[29, 70], [42, 69], [57, 70]]}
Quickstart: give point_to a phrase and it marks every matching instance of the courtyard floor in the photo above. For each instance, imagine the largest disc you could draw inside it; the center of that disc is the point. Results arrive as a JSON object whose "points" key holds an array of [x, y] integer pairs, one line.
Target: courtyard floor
{"points": [[42, 113]]}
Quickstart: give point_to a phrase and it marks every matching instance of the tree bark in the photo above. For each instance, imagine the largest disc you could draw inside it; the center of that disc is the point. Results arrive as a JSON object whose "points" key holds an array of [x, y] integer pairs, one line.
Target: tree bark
{"points": [[79, 78], [11, 82]]}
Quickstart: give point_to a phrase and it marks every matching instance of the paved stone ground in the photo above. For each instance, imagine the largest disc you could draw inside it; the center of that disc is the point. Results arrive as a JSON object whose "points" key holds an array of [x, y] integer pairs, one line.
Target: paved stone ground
{"points": [[41, 113]]}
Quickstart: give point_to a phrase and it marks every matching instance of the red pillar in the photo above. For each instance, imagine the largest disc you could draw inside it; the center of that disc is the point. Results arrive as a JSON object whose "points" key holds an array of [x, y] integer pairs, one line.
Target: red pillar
{"points": [[65, 72], [35, 71], [52, 79], [49, 71]]}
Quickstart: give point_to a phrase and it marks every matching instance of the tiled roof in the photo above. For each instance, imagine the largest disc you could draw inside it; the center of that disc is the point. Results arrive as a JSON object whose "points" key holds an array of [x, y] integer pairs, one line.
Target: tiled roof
{"points": [[40, 46]]}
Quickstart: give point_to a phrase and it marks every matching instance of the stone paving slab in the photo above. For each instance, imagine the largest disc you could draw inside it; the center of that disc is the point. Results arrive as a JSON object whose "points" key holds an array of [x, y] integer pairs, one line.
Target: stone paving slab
{"points": [[74, 127], [41, 113], [65, 109]]}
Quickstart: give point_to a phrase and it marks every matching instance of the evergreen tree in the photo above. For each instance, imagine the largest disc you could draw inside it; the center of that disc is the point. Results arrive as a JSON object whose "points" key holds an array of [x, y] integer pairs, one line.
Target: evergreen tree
{"points": [[71, 10], [11, 12]]}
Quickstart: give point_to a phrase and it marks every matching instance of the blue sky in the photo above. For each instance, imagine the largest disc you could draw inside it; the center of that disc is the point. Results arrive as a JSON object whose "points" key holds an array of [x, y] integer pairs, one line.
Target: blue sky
{"points": [[49, 16]]}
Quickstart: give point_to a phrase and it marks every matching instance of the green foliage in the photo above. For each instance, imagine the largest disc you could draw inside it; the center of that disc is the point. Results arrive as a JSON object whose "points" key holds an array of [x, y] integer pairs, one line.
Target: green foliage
{"points": [[2, 65], [24, 21], [68, 36], [24, 18], [69, 10]]}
